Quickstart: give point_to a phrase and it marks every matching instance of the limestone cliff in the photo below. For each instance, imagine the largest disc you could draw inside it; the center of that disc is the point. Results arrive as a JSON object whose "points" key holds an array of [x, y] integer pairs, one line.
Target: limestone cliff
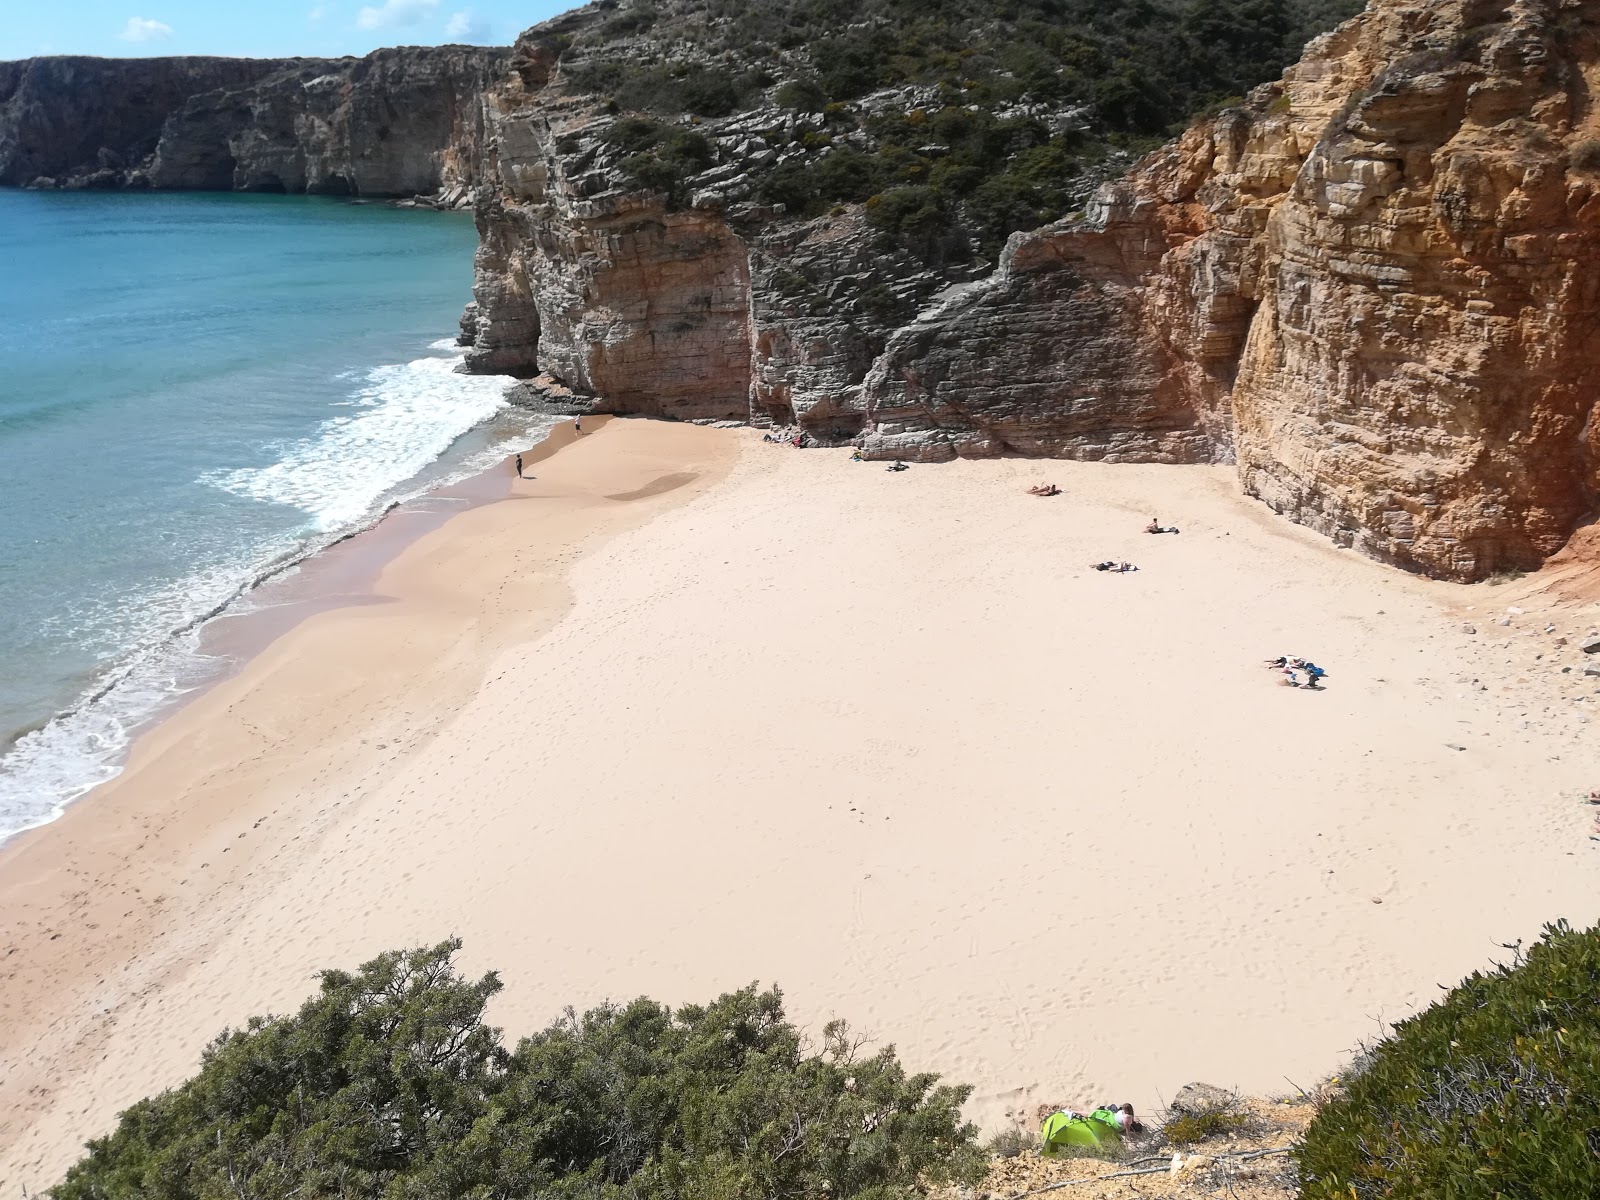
{"points": [[1369, 286], [398, 122]]}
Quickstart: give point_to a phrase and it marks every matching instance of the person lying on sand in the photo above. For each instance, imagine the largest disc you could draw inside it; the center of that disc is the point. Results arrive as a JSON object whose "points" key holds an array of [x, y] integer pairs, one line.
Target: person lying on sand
{"points": [[1044, 489], [897, 465], [1156, 526]]}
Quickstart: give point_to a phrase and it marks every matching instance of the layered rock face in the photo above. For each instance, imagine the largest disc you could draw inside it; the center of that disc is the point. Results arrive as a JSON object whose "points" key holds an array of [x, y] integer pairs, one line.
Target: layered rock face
{"points": [[66, 117], [608, 291], [1371, 287], [398, 122], [1420, 377], [700, 306]]}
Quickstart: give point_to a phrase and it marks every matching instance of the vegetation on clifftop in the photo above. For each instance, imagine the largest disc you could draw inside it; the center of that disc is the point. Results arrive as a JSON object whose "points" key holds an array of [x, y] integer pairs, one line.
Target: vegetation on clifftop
{"points": [[1492, 1092], [957, 121], [389, 1084]]}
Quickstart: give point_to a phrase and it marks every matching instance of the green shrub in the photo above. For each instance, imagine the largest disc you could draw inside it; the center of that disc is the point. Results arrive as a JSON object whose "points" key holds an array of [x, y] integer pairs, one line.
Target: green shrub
{"points": [[914, 216], [1585, 156], [1136, 69], [661, 157], [877, 300], [388, 1084], [1492, 1092], [1011, 1142], [1144, 66], [1186, 1129], [802, 95], [634, 20]]}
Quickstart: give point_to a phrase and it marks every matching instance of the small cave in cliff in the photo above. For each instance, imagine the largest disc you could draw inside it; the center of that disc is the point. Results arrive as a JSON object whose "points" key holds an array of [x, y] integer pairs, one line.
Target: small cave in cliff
{"points": [[334, 185]]}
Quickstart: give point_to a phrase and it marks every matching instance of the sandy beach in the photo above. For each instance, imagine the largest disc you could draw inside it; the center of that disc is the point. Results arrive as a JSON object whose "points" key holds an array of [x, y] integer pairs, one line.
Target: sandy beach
{"points": [[688, 710]]}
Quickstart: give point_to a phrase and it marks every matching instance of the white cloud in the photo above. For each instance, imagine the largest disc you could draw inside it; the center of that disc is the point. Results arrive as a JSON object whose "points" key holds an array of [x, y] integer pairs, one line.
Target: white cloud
{"points": [[464, 27], [316, 14], [395, 12], [142, 29]]}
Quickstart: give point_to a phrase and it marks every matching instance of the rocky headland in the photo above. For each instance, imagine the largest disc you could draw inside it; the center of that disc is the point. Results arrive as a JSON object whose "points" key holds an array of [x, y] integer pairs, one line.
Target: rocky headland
{"points": [[1364, 283], [399, 122]]}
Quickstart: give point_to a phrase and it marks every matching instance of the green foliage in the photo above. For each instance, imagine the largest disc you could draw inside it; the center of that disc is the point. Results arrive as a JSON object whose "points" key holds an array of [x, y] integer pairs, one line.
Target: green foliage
{"points": [[1143, 65], [380, 1076], [883, 305], [659, 156], [802, 95], [1585, 156], [916, 217], [388, 1084], [1185, 1129], [1492, 1092], [1011, 1142], [673, 87], [1133, 72]]}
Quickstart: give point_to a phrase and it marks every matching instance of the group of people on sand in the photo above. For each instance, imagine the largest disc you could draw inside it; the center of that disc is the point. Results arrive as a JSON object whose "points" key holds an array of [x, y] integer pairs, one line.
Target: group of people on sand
{"points": [[1121, 568], [786, 437], [1297, 672]]}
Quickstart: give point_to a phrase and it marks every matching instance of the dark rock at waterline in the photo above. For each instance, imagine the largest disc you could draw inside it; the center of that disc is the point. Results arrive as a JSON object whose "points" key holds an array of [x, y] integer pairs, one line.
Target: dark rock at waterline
{"points": [[546, 394]]}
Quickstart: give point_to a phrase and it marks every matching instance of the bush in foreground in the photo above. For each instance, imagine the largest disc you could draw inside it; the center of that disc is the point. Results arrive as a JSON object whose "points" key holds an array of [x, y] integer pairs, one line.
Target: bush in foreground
{"points": [[389, 1084], [1492, 1092]]}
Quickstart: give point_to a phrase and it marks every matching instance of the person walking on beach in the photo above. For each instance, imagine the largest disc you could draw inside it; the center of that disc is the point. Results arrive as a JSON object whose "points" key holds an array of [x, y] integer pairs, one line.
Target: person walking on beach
{"points": [[577, 424], [519, 466]]}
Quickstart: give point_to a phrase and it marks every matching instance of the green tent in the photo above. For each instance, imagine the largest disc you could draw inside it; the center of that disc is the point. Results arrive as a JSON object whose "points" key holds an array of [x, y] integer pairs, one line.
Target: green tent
{"points": [[1063, 1130]]}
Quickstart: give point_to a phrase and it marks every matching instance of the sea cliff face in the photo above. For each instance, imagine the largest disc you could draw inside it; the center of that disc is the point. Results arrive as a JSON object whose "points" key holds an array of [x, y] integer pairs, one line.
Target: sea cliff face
{"points": [[398, 122], [1371, 287], [1367, 286]]}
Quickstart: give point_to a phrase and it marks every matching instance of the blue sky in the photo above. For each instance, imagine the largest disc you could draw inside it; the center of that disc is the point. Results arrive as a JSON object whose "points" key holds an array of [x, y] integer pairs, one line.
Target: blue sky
{"points": [[261, 28]]}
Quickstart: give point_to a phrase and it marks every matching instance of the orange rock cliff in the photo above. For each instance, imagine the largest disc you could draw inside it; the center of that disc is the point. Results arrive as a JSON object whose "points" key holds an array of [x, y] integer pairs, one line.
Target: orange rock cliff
{"points": [[1370, 287]]}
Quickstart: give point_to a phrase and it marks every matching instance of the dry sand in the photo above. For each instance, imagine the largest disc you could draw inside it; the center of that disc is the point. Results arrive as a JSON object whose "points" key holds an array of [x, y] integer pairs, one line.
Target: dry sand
{"points": [[691, 710]]}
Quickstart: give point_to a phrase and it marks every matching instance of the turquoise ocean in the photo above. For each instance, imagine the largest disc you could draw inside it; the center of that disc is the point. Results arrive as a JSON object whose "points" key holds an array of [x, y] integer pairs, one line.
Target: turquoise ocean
{"points": [[196, 392]]}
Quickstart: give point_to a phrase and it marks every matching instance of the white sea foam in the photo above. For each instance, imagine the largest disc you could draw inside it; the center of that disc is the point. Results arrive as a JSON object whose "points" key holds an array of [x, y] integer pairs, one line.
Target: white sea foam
{"points": [[344, 478], [408, 416]]}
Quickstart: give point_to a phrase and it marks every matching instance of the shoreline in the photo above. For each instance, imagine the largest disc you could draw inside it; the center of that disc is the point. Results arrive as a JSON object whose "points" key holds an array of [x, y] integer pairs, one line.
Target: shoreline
{"points": [[343, 574], [690, 710], [280, 594], [137, 933]]}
